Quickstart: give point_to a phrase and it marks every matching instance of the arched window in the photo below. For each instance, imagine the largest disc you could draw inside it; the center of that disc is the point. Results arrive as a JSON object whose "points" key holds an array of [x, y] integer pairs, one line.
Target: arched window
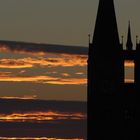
{"points": [[129, 69]]}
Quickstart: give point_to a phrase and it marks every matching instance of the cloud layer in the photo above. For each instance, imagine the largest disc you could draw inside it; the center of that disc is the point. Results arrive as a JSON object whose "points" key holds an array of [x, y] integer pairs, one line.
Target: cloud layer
{"points": [[41, 48]]}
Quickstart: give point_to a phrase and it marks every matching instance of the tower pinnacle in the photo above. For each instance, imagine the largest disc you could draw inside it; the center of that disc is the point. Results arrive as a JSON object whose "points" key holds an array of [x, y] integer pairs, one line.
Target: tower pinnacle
{"points": [[129, 44], [106, 31]]}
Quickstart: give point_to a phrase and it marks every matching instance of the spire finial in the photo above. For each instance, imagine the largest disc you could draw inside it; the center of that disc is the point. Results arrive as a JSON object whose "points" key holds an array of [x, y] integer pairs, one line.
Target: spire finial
{"points": [[136, 39], [89, 38], [106, 16], [122, 39], [129, 44]]}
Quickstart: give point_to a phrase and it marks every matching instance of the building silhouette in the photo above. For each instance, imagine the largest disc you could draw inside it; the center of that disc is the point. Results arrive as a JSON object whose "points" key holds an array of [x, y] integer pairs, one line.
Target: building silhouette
{"points": [[113, 104]]}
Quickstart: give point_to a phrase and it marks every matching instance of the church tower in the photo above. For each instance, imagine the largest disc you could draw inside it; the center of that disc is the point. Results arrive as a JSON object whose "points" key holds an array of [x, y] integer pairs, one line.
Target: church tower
{"points": [[105, 65], [137, 66], [105, 68]]}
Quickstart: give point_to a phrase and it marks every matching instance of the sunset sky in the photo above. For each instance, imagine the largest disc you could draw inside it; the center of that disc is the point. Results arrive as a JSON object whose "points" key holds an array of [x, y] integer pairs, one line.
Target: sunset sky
{"points": [[43, 67], [60, 21], [50, 75]]}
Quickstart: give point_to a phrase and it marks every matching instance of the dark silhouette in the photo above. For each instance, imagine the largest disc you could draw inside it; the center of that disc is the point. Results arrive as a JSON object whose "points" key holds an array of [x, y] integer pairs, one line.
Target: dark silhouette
{"points": [[40, 47], [129, 44], [112, 104]]}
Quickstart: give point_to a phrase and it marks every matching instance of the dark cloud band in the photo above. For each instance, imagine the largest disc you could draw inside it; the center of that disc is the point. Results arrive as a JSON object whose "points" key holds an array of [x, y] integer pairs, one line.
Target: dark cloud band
{"points": [[38, 47]]}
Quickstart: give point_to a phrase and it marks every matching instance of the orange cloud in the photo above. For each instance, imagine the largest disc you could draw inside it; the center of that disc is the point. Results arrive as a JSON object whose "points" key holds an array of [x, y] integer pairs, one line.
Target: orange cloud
{"points": [[69, 81], [22, 71], [40, 79], [79, 73], [5, 74], [40, 116], [5, 49], [51, 62], [35, 138], [26, 97], [14, 63], [65, 74], [8, 77]]}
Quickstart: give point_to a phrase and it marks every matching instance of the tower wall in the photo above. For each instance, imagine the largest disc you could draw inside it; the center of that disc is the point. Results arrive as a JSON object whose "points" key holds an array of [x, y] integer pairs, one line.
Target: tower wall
{"points": [[137, 67], [105, 72]]}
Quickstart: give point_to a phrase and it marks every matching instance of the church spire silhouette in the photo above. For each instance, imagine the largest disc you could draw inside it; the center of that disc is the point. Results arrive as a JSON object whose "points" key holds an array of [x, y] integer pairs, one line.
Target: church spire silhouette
{"points": [[110, 98], [106, 24], [129, 44], [105, 60], [105, 69]]}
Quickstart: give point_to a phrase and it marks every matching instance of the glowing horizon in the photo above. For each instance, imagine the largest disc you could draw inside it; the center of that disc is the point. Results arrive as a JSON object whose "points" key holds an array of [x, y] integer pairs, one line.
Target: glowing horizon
{"points": [[37, 138], [39, 117]]}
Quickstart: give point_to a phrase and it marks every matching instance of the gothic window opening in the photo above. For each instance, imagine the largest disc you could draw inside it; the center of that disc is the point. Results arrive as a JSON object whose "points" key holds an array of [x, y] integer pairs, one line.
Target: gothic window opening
{"points": [[129, 67]]}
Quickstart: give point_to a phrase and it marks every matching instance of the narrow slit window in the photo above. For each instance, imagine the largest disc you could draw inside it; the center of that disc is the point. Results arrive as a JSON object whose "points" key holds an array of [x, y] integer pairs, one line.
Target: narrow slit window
{"points": [[129, 67]]}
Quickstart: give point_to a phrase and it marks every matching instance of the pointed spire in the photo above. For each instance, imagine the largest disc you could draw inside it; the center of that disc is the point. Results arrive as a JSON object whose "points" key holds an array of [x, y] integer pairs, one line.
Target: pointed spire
{"points": [[129, 44], [136, 39], [89, 38], [106, 35], [122, 40]]}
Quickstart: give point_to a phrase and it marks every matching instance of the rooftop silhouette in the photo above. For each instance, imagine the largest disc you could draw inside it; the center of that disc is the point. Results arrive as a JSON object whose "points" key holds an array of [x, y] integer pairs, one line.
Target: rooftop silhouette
{"points": [[113, 103]]}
